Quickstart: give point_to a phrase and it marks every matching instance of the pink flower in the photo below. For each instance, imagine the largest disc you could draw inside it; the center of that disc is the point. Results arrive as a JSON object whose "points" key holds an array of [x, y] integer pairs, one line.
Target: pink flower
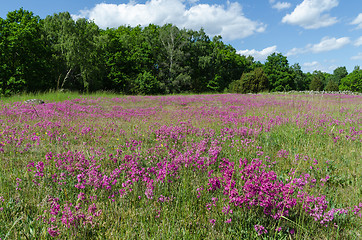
{"points": [[53, 231], [260, 229]]}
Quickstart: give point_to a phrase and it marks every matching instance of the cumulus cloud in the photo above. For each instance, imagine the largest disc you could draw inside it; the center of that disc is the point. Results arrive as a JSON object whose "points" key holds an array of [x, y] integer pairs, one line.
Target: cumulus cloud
{"points": [[281, 5], [310, 14], [313, 66], [358, 21], [358, 42], [325, 45], [225, 20], [295, 51], [357, 57], [328, 44], [258, 55]]}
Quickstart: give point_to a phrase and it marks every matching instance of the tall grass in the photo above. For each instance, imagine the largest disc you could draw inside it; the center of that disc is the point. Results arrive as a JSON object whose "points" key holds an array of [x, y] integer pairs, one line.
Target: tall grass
{"points": [[231, 166], [55, 96]]}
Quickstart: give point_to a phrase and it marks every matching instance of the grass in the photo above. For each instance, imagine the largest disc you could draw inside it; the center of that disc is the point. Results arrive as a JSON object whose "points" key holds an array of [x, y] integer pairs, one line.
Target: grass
{"points": [[103, 166]]}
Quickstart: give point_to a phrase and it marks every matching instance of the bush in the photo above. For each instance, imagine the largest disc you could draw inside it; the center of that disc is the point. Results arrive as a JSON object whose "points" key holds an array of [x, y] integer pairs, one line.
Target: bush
{"points": [[331, 86], [316, 84], [146, 84], [251, 82]]}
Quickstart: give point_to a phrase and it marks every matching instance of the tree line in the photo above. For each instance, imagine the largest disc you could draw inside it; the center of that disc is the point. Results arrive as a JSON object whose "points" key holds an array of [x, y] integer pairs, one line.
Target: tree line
{"points": [[59, 52]]}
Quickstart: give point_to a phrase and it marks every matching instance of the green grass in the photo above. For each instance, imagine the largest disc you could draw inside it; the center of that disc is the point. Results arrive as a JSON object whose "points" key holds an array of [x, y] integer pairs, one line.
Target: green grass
{"points": [[183, 215], [56, 96]]}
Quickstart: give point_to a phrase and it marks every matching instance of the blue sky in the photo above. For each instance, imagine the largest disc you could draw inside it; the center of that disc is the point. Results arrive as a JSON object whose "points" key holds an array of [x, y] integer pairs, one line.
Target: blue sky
{"points": [[317, 34]]}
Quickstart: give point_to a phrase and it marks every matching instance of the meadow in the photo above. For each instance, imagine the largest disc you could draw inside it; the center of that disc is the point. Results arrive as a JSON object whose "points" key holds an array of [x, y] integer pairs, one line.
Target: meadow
{"points": [[227, 166]]}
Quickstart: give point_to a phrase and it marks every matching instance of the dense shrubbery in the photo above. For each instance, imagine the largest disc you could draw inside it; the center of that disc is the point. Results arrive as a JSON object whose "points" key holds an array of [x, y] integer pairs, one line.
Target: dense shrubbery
{"points": [[251, 82], [59, 52]]}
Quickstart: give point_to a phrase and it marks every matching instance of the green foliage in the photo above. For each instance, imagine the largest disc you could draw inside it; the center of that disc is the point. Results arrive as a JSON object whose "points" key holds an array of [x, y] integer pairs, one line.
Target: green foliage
{"points": [[76, 47], [251, 82], [130, 52], [353, 81], [300, 78], [23, 53], [331, 86], [316, 83], [227, 65], [146, 84], [59, 52], [340, 73], [173, 71], [279, 73]]}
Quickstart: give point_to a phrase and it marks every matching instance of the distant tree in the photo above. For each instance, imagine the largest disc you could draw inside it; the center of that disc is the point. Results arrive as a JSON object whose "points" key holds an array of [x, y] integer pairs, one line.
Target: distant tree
{"points": [[340, 73], [130, 54], [146, 84], [353, 81], [76, 47], [279, 73], [251, 82], [317, 81], [332, 81], [227, 65], [300, 78], [24, 55], [331, 86], [200, 60], [174, 73]]}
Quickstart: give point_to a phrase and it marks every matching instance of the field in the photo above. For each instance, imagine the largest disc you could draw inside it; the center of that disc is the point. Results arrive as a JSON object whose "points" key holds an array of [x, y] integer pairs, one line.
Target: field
{"points": [[228, 166]]}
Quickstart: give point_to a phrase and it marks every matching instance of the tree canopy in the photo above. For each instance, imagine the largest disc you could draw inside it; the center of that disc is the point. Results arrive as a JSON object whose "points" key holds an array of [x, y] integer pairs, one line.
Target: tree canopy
{"points": [[60, 52]]}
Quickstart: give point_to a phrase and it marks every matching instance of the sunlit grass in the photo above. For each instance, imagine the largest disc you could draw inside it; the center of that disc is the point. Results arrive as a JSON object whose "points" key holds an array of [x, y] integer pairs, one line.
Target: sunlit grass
{"points": [[165, 150]]}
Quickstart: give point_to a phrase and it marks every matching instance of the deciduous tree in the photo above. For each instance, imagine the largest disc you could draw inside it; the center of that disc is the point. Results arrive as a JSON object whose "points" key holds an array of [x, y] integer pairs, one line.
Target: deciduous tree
{"points": [[279, 73], [353, 81]]}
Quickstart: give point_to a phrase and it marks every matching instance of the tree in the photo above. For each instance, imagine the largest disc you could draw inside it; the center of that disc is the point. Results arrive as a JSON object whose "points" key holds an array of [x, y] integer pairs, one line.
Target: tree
{"points": [[331, 86], [227, 65], [174, 73], [76, 49], [24, 56], [316, 83], [131, 57], [340, 73], [332, 81], [300, 78], [279, 73], [353, 81], [251, 82], [199, 60], [146, 84]]}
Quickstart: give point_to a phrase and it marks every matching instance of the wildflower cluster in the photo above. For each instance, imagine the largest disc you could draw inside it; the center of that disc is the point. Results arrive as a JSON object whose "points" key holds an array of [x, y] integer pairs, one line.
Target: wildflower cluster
{"points": [[103, 164]]}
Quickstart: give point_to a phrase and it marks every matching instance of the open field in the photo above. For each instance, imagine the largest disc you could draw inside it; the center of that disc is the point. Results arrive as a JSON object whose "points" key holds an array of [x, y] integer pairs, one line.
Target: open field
{"points": [[222, 166]]}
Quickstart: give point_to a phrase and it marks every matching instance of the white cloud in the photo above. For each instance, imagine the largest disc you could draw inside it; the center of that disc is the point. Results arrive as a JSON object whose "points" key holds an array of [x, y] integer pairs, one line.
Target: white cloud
{"points": [[313, 66], [225, 20], [281, 5], [328, 44], [358, 42], [295, 51], [310, 14], [310, 64], [357, 57], [325, 45], [258, 55], [358, 21]]}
